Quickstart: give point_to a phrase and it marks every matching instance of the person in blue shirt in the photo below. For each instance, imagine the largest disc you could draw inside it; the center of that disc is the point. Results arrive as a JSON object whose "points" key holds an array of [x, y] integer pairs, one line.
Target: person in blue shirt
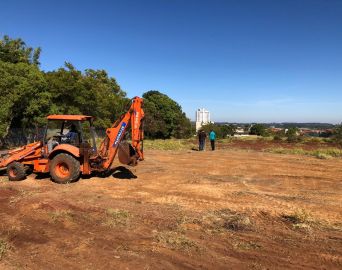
{"points": [[212, 138]]}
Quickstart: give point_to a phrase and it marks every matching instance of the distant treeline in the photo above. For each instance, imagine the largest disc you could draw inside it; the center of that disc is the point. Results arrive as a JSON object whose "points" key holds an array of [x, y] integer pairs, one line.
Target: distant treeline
{"points": [[28, 94], [290, 131], [287, 125]]}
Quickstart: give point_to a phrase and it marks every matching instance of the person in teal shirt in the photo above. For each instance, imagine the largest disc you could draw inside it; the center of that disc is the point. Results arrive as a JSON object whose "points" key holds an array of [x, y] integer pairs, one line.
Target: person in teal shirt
{"points": [[212, 138]]}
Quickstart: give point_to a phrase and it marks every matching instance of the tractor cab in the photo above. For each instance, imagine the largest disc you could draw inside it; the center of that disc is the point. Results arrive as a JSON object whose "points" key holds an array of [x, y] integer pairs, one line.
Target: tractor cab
{"points": [[75, 130]]}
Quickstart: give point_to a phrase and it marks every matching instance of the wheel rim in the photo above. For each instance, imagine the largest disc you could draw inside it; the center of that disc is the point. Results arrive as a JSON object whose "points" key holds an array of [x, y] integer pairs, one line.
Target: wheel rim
{"points": [[62, 170], [13, 173]]}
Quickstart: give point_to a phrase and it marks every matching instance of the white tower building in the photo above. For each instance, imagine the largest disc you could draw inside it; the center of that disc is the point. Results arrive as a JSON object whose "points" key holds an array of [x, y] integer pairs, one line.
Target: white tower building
{"points": [[202, 118]]}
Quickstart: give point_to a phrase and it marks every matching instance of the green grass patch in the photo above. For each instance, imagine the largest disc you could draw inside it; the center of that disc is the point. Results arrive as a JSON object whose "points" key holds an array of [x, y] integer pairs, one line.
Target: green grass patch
{"points": [[170, 144], [318, 153]]}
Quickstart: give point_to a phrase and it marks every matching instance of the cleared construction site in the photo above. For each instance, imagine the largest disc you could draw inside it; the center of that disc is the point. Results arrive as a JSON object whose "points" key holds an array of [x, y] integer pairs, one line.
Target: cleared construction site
{"points": [[226, 209]]}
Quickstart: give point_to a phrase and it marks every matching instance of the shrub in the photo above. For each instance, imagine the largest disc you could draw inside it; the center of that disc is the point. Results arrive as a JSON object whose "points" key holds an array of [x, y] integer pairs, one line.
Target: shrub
{"points": [[292, 135], [338, 135], [277, 137], [258, 129]]}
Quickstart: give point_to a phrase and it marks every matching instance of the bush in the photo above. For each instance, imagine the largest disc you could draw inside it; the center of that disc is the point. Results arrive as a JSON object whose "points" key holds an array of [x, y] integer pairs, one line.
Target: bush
{"points": [[338, 135], [258, 129], [292, 135], [277, 137]]}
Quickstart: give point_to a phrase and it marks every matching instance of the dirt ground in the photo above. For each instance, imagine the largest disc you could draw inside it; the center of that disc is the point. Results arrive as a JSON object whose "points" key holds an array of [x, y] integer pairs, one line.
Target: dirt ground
{"points": [[228, 209]]}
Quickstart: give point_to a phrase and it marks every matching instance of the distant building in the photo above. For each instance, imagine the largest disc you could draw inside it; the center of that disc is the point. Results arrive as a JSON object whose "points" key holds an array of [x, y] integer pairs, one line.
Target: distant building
{"points": [[202, 118], [240, 131]]}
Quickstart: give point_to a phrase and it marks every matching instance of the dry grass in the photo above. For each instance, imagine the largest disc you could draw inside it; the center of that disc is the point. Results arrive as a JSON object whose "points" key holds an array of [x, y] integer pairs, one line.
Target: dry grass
{"points": [[226, 219], [319, 153], [3, 179], [176, 241], [21, 195], [243, 245], [3, 248], [61, 215], [301, 219], [117, 217], [299, 216]]}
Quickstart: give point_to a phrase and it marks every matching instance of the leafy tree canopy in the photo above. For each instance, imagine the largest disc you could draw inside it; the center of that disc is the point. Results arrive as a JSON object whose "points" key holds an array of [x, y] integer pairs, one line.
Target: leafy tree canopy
{"points": [[23, 97], [28, 95], [222, 131], [164, 117], [15, 51], [91, 93]]}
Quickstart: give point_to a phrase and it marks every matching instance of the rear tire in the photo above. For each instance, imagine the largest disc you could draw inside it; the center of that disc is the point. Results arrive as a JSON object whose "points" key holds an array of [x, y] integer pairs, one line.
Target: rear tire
{"points": [[16, 171], [64, 168]]}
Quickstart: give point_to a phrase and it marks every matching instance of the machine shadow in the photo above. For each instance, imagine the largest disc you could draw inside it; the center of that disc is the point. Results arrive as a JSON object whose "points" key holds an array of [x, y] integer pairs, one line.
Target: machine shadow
{"points": [[122, 172], [42, 176], [3, 172], [119, 172]]}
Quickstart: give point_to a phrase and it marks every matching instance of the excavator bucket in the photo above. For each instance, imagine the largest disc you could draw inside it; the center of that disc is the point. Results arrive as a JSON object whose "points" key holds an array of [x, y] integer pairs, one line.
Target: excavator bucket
{"points": [[127, 154]]}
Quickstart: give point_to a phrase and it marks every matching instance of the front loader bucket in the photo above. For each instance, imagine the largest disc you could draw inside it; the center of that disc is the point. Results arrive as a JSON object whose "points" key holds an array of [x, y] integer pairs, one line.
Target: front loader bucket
{"points": [[6, 157], [127, 154], [3, 156]]}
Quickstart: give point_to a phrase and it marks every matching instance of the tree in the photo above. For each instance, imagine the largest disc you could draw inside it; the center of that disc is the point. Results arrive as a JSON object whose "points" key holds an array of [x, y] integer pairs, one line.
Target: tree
{"points": [[164, 117], [23, 96], [15, 51], [222, 131], [91, 93], [258, 129], [27, 94], [216, 128], [228, 130]]}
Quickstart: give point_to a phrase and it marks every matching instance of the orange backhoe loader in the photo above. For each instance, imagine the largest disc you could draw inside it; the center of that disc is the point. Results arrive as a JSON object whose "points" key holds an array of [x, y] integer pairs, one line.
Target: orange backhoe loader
{"points": [[69, 149]]}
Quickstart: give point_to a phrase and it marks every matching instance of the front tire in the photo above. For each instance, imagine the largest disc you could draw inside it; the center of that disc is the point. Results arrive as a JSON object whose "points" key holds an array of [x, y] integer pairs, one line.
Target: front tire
{"points": [[16, 171], [64, 168]]}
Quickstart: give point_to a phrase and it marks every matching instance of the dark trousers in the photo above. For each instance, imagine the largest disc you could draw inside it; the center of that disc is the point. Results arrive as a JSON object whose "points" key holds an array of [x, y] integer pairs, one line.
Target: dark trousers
{"points": [[201, 145], [212, 142]]}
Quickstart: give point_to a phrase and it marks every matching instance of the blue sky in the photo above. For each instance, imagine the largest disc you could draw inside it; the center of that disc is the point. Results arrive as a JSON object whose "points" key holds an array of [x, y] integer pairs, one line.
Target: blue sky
{"points": [[245, 61]]}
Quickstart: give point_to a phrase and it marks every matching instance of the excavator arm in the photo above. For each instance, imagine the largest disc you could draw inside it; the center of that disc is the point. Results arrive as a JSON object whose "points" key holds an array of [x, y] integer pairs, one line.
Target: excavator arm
{"points": [[110, 145]]}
